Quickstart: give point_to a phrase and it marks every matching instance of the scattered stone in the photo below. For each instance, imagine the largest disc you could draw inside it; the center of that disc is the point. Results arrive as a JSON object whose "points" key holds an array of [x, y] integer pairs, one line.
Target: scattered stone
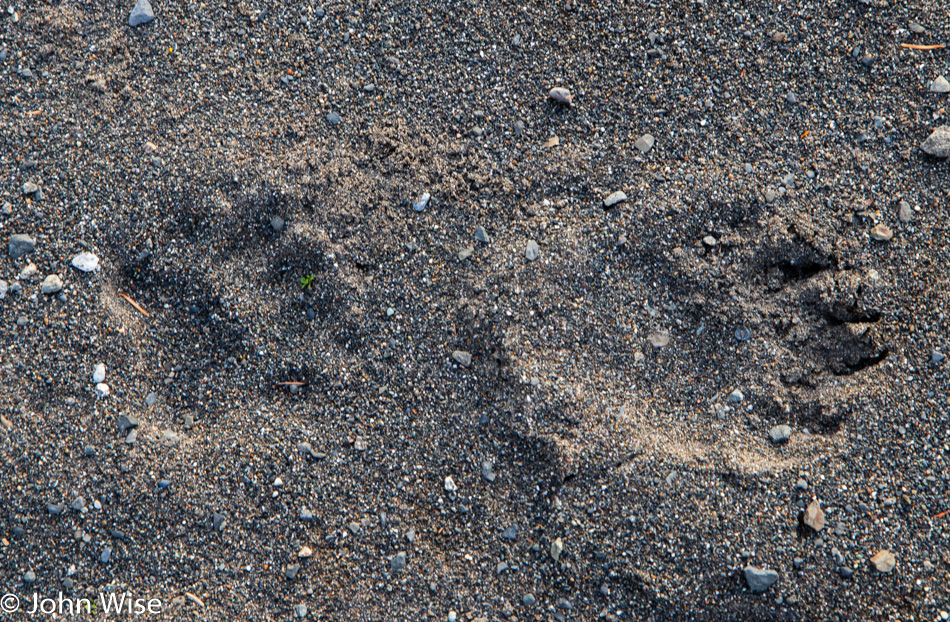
{"points": [[85, 262], [481, 235], [532, 251], [217, 521], [4, 287], [102, 389], [127, 422], [940, 85], [52, 284], [561, 95], [291, 571], [645, 143], [305, 553], [780, 434], [30, 188], [488, 472], [463, 358], [904, 212], [29, 577], [106, 555], [881, 233], [801, 484], [276, 223], [554, 141], [845, 572], [937, 357], [141, 14], [743, 333], [511, 533], [501, 567], [333, 118], [659, 339], [398, 561], [916, 28], [528, 600], [791, 98], [169, 438], [938, 143], [422, 202], [884, 561], [466, 252], [614, 198], [736, 396], [760, 579], [55, 508], [300, 610], [814, 516], [450, 484], [557, 547], [21, 244], [99, 373]]}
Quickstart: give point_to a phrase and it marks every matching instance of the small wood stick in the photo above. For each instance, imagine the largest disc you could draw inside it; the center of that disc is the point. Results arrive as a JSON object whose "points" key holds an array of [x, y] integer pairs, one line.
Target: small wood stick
{"points": [[914, 46], [291, 383], [135, 304]]}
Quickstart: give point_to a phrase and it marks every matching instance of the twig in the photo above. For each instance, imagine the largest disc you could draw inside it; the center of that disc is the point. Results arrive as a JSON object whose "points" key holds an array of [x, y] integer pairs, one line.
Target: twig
{"points": [[940, 515], [291, 383], [914, 46], [135, 304]]}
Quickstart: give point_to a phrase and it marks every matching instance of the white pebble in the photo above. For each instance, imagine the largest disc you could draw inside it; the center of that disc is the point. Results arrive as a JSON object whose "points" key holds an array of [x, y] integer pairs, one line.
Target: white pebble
{"points": [[99, 373]]}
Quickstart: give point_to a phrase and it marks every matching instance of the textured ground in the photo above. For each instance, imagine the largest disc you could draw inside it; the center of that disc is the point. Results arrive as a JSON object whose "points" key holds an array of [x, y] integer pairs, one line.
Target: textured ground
{"points": [[784, 133]]}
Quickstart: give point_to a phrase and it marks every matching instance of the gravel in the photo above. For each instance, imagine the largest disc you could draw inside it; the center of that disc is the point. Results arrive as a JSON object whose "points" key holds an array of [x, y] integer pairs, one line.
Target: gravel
{"points": [[259, 109]]}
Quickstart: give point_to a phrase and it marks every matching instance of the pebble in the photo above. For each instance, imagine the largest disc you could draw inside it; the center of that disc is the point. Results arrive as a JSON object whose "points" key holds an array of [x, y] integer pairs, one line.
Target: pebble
{"points": [[814, 516], [736, 396], [98, 373], [561, 95], [905, 212], [300, 610], [141, 14], [532, 251], [659, 339], [780, 434], [743, 333], [452, 616], [29, 577], [106, 555], [305, 552], [801, 484], [488, 472], [760, 579], [916, 28], [615, 198], [276, 223], [52, 284], [940, 85], [126, 423], [645, 143], [4, 287], [421, 203], [936, 357], [463, 358], [557, 547], [481, 235], [333, 118], [30, 188], [845, 572], [791, 98], [20, 244], [938, 143], [466, 252], [881, 233], [528, 600], [398, 561], [291, 571], [102, 389], [511, 533], [884, 561], [151, 398], [217, 521], [85, 262], [449, 484]]}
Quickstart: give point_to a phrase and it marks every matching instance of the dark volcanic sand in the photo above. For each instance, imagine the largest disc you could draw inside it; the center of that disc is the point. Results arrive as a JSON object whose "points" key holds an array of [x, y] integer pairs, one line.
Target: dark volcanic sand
{"points": [[660, 487]]}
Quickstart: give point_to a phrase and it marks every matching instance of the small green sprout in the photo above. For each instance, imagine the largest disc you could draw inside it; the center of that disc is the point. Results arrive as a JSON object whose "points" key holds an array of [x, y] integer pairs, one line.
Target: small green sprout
{"points": [[306, 282]]}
